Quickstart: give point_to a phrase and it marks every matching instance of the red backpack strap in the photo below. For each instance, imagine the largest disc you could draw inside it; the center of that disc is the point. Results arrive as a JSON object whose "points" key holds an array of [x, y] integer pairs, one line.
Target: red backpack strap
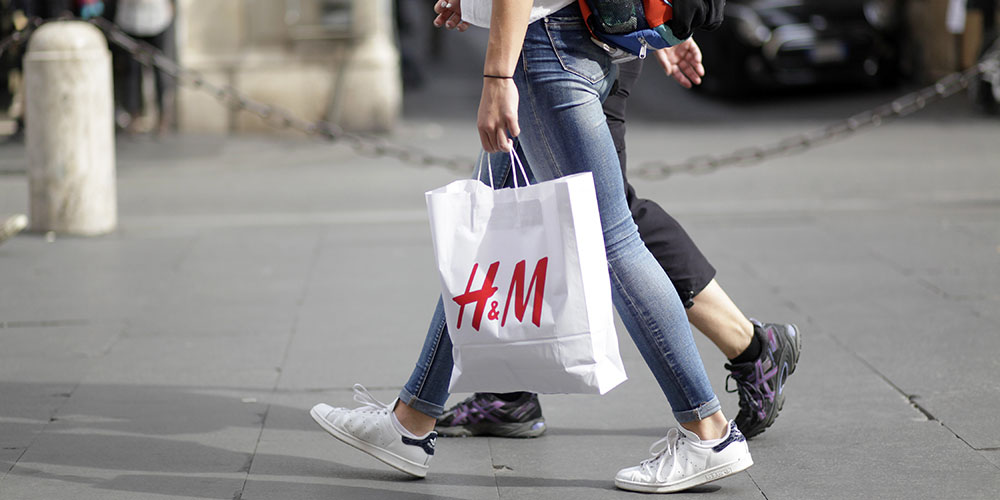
{"points": [[585, 10]]}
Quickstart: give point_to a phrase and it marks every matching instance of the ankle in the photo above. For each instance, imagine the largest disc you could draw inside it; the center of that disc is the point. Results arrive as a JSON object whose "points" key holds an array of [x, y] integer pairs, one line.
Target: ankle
{"points": [[752, 348], [412, 420], [712, 427]]}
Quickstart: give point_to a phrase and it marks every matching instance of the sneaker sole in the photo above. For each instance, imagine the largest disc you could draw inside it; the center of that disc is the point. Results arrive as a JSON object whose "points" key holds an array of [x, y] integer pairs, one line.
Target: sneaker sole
{"points": [[706, 476], [387, 457], [518, 430], [798, 347]]}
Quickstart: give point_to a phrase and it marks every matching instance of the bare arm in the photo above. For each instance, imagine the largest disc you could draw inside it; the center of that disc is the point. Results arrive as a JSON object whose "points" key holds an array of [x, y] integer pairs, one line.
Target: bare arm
{"points": [[498, 104]]}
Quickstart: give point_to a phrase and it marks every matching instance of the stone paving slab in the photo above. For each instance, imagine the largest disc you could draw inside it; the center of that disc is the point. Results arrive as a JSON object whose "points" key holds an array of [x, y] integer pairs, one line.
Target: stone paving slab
{"points": [[193, 361], [296, 457], [136, 441]]}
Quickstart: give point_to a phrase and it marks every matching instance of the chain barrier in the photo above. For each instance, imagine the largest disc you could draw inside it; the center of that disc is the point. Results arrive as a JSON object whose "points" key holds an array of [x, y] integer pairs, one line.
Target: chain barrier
{"points": [[378, 147], [273, 116], [901, 107]]}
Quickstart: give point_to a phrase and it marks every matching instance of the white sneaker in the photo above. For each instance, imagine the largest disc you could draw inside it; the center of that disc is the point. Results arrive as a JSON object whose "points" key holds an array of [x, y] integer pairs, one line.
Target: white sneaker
{"points": [[370, 429], [680, 461]]}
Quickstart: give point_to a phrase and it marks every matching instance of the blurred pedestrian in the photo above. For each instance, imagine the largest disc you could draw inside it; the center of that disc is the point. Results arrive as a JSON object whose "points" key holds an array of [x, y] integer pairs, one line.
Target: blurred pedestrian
{"points": [[9, 60], [153, 22], [22, 13], [539, 59], [413, 29]]}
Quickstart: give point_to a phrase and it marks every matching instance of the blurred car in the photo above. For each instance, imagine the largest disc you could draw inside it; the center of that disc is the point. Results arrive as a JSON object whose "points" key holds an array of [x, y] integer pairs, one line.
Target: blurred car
{"points": [[775, 44]]}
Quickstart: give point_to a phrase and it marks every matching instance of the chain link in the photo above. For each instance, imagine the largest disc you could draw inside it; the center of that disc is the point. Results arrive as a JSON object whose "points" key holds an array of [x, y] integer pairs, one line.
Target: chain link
{"points": [[378, 147]]}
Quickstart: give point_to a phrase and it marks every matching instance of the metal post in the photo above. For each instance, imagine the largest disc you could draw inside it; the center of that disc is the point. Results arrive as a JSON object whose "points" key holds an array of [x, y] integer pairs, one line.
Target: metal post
{"points": [[70, 130]]}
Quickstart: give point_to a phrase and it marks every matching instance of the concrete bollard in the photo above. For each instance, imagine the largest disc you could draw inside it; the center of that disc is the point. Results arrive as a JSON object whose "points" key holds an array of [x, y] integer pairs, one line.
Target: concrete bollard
{"points": [[70, 130]]}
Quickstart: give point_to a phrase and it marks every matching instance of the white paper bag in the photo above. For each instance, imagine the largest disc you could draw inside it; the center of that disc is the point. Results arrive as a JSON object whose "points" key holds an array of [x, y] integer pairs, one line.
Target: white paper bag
{"points": [[525, 287]]}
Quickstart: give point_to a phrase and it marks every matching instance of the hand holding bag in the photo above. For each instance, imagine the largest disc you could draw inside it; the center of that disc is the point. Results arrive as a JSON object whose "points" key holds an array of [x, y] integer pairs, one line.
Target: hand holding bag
{"points": [[525, 285]]}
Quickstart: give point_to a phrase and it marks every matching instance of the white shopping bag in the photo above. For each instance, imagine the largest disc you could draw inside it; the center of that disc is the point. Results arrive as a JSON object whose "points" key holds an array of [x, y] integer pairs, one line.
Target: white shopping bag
{"points": [[525, 287]]}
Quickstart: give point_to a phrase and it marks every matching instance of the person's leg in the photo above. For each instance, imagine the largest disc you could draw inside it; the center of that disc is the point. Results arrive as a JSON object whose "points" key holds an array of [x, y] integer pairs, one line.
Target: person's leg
{"points": [[412, 28], [761, 356], [712, 313], [166, 85], [131, 93], [561, 78], [648, 304], [426, 391]]}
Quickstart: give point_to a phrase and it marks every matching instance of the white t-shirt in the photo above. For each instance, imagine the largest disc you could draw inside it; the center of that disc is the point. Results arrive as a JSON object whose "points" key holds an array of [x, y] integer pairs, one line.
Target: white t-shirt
{"points": [[477, 12]]}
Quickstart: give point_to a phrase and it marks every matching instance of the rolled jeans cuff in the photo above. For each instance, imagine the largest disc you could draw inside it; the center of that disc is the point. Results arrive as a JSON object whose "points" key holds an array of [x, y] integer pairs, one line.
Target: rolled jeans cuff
{"points": [[700, 413], [425, 407]]}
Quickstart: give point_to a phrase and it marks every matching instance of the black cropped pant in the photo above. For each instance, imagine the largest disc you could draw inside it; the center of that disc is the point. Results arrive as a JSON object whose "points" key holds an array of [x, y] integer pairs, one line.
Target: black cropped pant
{"points": [[687, 267]]}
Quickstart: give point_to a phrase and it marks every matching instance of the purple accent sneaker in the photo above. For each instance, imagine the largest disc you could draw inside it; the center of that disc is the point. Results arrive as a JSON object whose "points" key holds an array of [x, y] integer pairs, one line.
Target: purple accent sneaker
{"points": [[484, 414], [760, 383]]}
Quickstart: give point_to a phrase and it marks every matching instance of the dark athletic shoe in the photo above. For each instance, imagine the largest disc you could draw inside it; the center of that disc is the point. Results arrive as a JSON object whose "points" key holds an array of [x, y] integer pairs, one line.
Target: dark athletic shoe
{"points": [[760, 383], [484, 414]]}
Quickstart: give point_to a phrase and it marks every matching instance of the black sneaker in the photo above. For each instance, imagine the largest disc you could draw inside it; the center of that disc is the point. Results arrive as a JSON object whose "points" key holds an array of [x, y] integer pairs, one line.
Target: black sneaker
{"points": [[760, 383], [484, 414]]}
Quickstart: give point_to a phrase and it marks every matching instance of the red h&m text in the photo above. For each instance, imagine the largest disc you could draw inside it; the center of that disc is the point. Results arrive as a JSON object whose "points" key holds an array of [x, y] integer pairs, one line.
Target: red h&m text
{"points": [[517, 292]]}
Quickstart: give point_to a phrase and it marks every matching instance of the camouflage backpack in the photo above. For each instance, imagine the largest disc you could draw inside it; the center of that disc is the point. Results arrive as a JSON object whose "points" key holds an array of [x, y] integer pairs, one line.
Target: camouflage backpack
{"points": [[628, 28]]}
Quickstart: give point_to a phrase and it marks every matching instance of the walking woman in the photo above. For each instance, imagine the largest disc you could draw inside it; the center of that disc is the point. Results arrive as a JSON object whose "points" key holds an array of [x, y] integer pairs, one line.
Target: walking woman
{"points": [[543, 82]]}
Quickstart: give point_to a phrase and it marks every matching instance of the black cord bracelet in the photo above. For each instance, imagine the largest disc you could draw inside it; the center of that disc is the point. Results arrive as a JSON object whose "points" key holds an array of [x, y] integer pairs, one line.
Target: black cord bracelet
{"points": [[498, 76]]}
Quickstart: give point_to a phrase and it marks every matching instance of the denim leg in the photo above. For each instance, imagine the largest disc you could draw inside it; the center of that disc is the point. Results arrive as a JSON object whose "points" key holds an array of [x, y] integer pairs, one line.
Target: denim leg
{"points": [[427, 389], [562, 78]]}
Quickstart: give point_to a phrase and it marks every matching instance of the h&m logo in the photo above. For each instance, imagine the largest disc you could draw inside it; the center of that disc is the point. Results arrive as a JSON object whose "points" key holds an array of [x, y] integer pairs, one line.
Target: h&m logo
{"points": [[516, 291]]}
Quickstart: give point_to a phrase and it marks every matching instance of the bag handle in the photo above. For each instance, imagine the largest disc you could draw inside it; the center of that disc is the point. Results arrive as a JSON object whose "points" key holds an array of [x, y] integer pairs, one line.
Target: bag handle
{"points": [[479, 168], [514, 160]]}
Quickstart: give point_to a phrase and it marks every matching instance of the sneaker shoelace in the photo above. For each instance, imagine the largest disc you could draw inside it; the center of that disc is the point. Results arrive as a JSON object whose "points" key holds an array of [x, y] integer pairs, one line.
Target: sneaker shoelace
{"points": [[748, 385], [361, 395], [664, 447]]}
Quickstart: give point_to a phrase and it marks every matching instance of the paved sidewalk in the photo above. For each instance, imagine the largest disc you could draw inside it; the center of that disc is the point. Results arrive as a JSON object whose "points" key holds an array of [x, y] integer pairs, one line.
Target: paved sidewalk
{"points": [[251, 278]]}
